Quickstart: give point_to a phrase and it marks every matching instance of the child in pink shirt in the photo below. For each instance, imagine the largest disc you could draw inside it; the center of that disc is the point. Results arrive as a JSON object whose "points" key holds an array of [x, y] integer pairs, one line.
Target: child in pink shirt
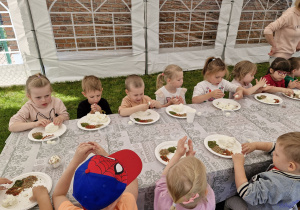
{"points": [[183, 184], [41, 109], [276, 74]]}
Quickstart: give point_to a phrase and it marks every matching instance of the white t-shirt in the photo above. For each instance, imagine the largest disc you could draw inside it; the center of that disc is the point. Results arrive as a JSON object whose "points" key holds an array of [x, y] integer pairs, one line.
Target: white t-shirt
{"points": [[205, 87], [164, 96], [235, 82]]}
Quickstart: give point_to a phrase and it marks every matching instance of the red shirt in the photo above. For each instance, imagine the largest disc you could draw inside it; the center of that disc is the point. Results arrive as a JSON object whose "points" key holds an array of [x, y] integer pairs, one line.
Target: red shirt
{"points": [[271, 82]]}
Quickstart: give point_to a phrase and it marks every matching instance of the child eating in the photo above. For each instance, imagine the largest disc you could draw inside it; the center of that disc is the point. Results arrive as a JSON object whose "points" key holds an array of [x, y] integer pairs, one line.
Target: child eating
{"points": [[136, 100], [92, 90], [278, 188]]}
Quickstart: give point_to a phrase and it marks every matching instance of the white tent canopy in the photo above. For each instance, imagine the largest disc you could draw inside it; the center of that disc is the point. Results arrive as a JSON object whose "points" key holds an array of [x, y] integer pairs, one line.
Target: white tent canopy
{"points": [[178, 32]]}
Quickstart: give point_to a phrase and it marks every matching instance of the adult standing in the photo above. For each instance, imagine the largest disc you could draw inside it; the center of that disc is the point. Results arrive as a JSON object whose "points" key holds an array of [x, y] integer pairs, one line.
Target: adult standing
{"points": [[287, 33]]}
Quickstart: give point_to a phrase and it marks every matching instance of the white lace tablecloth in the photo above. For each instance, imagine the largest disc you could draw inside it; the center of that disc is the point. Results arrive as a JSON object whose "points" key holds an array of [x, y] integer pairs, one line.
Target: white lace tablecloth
{"points": [[255, 121]]}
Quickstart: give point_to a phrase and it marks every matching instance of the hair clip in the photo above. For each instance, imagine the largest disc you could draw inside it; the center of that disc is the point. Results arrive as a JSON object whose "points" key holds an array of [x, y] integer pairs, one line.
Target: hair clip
{"points": [[38, 76], [174, 204], [191, 199], [213, 59], [162, 74]]}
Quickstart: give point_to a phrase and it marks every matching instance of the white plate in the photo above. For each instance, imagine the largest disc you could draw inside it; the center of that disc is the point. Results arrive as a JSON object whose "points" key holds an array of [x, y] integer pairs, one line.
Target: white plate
{"points": [[170, 108], [292, 97], [271, 96], [83, 119], [165, 145], [214, 138], [24, 202], [227, 101], [61, 130], [151, 115]]}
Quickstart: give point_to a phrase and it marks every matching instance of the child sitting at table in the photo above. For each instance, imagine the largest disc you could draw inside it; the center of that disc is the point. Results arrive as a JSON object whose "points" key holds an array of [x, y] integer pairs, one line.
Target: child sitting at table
{"points": [[92, 90], [243, 74], [171, 93], [276, 74], [136, 100], [41, 108], [278, 188], [214, 85], [101, 182], [183, 184], [290, 78]]}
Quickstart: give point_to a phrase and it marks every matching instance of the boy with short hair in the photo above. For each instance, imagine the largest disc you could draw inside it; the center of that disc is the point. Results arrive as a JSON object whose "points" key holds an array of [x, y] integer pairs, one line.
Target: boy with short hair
{"points": [[92, 90], [278, 188], [136, 100], [100, 182]]}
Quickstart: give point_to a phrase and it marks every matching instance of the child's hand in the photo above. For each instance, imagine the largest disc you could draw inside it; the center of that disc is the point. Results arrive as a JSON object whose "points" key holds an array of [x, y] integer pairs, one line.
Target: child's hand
{"points": [[238, 95], [268, 87], [298, 85], [58, 120], [98, 150], [4, 181], [155, 104], [175, 100], [238, 158], [181, 150], [190, 151], [261, 82], [83, 150], [248, 148], [288, 91], [38, 191], [181, 101], [95, 108], [292, 84], [217, 93], [42, 122]]}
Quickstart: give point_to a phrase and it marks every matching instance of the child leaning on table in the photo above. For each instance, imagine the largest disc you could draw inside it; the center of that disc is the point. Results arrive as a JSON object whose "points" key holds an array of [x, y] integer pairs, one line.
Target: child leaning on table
{"points": [[290, 78], [171, 93], [136, 100], [183, 184], [276, 73], [92, 90], [213, 86], [101, 182], [41, 108], [278, 188], [243, 74]]}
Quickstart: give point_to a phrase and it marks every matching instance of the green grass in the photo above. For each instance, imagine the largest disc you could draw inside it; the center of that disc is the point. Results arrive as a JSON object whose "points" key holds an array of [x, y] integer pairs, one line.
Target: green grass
{"points": [[12, 98]]}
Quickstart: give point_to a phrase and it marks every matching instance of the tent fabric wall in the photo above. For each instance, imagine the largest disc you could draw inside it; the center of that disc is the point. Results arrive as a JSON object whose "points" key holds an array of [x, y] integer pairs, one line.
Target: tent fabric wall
{"points": [[70, 66]]}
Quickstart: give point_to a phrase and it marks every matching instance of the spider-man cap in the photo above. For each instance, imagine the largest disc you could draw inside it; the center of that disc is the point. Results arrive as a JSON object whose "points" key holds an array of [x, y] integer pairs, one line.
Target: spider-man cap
{"points": [[100, 180]]}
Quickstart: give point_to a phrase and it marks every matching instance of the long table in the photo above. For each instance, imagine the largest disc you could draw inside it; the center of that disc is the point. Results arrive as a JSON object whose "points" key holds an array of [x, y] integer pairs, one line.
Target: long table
{"points": [[255, 121]]}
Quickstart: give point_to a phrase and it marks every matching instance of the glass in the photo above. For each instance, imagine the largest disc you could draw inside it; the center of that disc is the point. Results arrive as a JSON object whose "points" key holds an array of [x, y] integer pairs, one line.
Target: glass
{"points": [[282, 73]]}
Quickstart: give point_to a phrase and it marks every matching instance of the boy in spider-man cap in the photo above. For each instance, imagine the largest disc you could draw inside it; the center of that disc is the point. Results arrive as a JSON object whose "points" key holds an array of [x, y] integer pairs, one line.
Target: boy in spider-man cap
{"points": [[102, 182]]}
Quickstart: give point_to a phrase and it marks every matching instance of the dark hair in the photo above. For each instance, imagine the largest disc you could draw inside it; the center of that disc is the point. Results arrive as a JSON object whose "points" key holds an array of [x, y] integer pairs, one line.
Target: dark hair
{"points": [[280, 64], [213, 65], [295, 63]]}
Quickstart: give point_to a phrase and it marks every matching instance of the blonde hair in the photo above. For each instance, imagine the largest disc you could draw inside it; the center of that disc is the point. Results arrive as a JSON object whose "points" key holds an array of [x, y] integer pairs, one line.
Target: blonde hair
{"points": [[134, 81], [36, 81], [182, 186], [169, 73], [91, 83], [291, 145], [212, 66], [294, 62], [297, 4], [242, 68]]}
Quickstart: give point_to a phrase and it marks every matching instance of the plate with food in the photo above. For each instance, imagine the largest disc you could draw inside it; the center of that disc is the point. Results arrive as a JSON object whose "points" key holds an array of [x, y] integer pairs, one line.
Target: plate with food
{"points": [[92, 122], [145, 117], [178, 110], [223, 146], [165, 151], [295, 96], [226, 104], [18, 193], [268, 98], [47, 133]]}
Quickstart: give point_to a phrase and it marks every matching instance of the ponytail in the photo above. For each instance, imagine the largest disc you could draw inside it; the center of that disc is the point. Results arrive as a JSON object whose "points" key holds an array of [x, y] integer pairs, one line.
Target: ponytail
{"points": [[160, 81]]}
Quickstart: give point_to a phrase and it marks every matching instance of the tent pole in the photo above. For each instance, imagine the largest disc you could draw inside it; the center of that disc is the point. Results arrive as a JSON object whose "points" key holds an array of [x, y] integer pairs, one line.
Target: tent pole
{"points": [[35, 39], [146, 36], [227, 31]]}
